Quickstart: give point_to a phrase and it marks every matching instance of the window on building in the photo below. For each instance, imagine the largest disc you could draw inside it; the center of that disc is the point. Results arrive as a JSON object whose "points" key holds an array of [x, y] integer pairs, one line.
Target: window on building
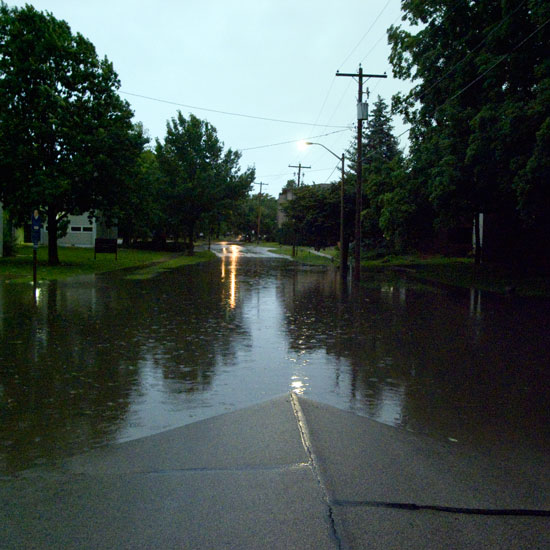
{"points": [[76, 228]]}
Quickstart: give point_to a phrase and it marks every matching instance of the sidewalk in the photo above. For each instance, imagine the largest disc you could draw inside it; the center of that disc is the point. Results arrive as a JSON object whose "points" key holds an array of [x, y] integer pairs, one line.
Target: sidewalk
{"points": [[289, 473]]}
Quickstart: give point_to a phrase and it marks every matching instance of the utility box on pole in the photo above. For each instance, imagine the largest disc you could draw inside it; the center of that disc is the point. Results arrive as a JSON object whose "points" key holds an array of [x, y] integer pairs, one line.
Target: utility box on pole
{"points": [[362, 111]]}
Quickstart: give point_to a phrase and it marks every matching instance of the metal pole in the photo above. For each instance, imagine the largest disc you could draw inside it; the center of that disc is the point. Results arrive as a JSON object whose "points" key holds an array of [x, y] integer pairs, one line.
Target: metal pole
{"points": [[343, 260], [34, 266], [259, 210], [359, 187]]}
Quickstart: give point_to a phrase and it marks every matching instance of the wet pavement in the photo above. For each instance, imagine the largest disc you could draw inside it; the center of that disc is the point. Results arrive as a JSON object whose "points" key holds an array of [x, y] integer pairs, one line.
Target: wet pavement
{"points": [[106, 359], [286, 474]]}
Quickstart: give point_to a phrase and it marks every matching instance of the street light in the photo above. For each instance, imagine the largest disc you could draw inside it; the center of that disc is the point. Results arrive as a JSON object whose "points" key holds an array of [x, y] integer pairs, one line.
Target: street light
{"points": [[343, 250]]}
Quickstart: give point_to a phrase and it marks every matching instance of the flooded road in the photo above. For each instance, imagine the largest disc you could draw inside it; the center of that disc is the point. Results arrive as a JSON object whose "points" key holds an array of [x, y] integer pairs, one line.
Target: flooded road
{"points": [[104, 358]]}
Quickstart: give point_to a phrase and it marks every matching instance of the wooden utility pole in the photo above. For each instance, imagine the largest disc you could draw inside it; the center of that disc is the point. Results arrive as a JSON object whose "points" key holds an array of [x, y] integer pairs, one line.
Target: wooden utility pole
{"points": [[298, 185], [362, 113], [259, 208], [299, 170]]}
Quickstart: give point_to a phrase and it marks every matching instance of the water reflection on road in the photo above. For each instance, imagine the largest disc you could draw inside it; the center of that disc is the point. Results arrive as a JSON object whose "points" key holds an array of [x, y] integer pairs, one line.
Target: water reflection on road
{"points": [[106, 358]]}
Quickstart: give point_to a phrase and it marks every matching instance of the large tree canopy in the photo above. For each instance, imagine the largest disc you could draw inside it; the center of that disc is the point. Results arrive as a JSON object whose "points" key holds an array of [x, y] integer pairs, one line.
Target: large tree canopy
{"points": [[480, 108], [67, 143], [201, 177], [314, 214]]}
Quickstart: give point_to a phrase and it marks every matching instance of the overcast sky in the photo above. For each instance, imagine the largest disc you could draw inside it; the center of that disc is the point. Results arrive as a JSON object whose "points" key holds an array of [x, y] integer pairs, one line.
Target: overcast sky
{"points": [[274, 59]]}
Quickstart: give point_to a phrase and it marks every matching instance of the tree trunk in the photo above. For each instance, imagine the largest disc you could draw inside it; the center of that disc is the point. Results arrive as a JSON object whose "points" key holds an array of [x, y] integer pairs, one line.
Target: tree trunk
{"points": [[53, 257]]}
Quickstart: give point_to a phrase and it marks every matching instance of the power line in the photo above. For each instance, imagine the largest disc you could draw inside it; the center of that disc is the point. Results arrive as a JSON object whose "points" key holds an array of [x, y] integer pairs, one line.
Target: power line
{"points": [[502, 58], [471, 51], [330, 175], [347, 57], [369, 29], [293, 140], [288, 173], [194, 107], [497, 62], [326, 99]]}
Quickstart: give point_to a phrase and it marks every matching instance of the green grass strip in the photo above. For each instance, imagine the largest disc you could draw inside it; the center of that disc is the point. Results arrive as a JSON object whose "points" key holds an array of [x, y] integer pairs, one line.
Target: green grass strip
{"points": [[304, 255], [462, 272], [153, 270], [76, 261]]}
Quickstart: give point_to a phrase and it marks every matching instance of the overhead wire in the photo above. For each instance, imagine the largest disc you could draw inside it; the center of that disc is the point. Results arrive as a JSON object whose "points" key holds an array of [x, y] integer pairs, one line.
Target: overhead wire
{"points": [[366, 33], [291, 141], [343, 62], [471, 51], [194, 107], [288, 172], [498, 62], [461, 91], [345, 92]]}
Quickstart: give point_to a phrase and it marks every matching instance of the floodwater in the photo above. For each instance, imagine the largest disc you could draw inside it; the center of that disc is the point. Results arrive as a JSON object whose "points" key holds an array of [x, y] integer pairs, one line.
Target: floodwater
{"points": [[101, 359]]}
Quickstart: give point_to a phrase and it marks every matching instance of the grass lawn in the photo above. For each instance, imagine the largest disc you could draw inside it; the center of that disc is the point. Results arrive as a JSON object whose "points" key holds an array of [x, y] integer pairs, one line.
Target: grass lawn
{"points": [[304, 254], [80, 261], [460, 272], [464, 273], [152, 270]]}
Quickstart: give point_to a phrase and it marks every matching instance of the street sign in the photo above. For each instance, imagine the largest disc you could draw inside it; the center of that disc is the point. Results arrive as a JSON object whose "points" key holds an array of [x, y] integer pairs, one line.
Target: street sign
{"points": [[36, 224]]}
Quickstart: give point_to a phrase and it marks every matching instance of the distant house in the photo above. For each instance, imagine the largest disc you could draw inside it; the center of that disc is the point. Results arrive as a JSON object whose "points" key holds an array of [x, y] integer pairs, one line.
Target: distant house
{"points": [[286, 195]]}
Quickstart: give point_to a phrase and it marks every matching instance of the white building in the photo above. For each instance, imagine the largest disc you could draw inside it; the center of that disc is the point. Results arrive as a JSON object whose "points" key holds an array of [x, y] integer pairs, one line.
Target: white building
{"points": [[83, 232], [287, 194]]}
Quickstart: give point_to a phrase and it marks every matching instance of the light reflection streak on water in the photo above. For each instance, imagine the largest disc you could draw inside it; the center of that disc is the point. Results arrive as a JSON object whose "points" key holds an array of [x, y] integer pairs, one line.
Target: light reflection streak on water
{"points": [[297, 385], [233, 276], [233, 253], [37, 294]]}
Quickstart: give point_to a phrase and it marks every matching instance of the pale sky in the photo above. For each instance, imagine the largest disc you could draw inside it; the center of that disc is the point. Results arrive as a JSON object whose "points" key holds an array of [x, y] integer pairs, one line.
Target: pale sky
{"points": [[273, 59]]}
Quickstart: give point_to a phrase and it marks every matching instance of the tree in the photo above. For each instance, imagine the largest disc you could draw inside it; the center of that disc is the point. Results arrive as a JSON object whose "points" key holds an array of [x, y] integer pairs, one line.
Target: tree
{"points": [[531, 183], [314, 214], [268, 206], [383, 159], [480, 107], [406, 215], [383, 168], [143, 209], [245, 216], [67, 142], [202, 178]]}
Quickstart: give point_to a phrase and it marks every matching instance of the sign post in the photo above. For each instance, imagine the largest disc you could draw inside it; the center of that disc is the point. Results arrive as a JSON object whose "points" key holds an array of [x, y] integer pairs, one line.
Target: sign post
{"points": [[36, 224]]}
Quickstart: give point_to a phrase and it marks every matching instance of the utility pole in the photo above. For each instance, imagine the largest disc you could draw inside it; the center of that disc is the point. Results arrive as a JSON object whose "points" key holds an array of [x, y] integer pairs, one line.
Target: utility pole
{"points": [[362, 114], [298, 185], [259, 208], [299, 170]]}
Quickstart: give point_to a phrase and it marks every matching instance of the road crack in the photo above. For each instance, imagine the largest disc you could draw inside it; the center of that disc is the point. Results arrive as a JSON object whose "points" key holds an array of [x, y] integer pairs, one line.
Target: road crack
{"points": [[314, 463]]}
